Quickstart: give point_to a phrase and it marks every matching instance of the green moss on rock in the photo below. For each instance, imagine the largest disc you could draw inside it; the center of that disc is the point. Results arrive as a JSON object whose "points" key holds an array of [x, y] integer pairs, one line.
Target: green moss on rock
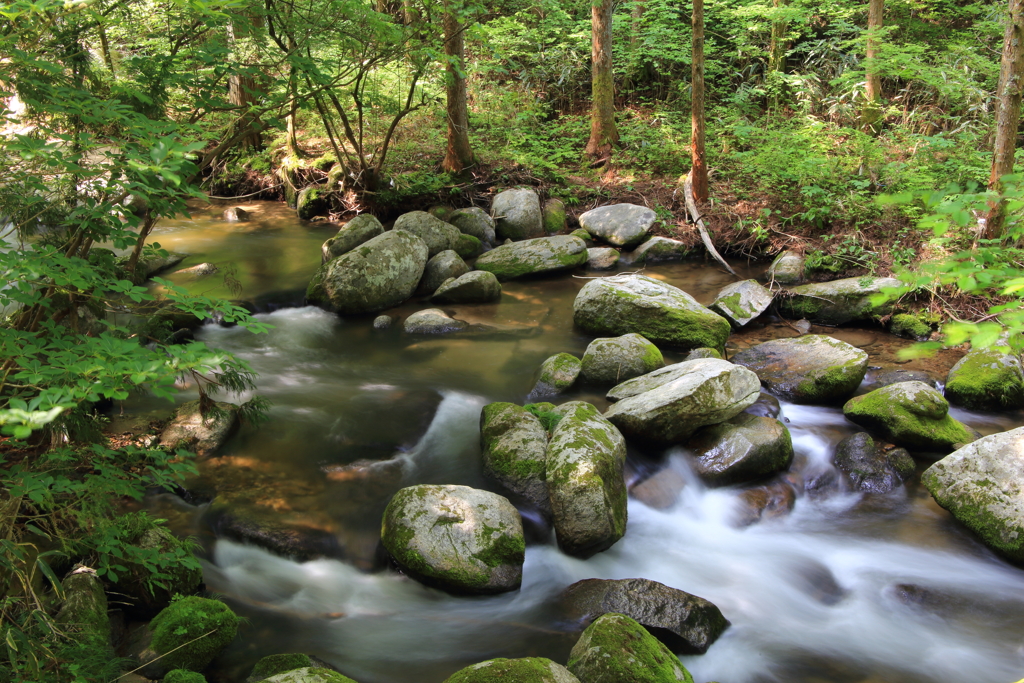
{"points": [[987, 379], [617, 649], [184, 676], [909, 326], [910, 414], [277, 664], [525, 670], [192, 631]]}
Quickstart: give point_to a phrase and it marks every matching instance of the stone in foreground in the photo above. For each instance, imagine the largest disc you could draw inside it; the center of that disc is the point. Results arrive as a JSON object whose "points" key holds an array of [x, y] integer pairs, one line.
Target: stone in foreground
{"points": [[610, 360], [534, 257], [616, 649], [201, 434], [360, 229], [557, 374], [687, 624], [808, 369], [744, 448], [741, 302], [987, 379], [456, 538], [870, 468], [662, 313], [709, 392], [475, 287], [982, 485], [621, 225], [517, 215], [514, 445], [910, 414], [840, 301], [525, 670], [435, 233]]}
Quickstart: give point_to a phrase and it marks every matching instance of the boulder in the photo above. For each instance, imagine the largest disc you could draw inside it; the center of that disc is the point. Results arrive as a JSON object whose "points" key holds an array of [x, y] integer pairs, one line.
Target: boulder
{"points": [[659, 249], [309, 674], [378, 274], [652, 380], [456, 538], [702, 352], [441, 212], [610, 360], [435, 233], [741, 449], [475, 222], [686, 623], [236, 215], [517, 215], [440, 267], [887, 376], [585, 460], [910, 414], [840, 301], [767, 501], [534, 256], [987, 379], [383, 322], [190, 632], [808, 369], [312, 201], [468, 246], [708, 392], [83, 612], [787, 269], [360, 229], [475, 287], [741, 302], [134, 582], [271, 665], [199, 270], [514, 445], [553, 216], [602, 258], [525, 670], [982, 486], [557, 374], [621, 225], [616, 649], [766, 405], [432, 321], [201, 434], [870, 468], [621, 304]]}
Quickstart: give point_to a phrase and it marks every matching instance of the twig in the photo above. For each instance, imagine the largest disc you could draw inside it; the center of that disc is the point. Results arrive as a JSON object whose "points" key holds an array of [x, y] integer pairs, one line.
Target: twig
{"points": [[243, 196], [698, 220]]}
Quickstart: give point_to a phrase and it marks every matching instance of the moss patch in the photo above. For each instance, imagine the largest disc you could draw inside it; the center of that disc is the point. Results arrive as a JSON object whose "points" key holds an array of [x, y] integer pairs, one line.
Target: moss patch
{"points": [[184, 676], [910, 414], [276, 664], [987, 379], [196, 629], [617, 649]]}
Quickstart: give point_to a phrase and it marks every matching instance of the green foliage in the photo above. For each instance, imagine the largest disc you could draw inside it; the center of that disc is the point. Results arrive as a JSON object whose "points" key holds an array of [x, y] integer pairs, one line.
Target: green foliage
{"points": [[191, 631], [184, 676], [549, 420]]}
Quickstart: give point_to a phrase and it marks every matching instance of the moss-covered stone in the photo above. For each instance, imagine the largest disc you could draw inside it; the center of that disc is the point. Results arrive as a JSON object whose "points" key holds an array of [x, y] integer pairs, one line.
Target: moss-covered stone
{"points": [[910, 414], [435, 233], [525, 670], [842, 301], [184, 676], [475, 287], [517, 214], [473, 221], [808, 369], [553, 216], [582, 234], [987, 379], [534, 257], [514, 443], [909, 327], [616, 649], [610, 360], [201, 433], [309, 674], [741, 302], [557, 374], [660, 250], [703, 352], [136, 583], [621, 225], [278, 664], [357, 231], [312, 201], [192, 631], [84, 610], [468, 246]]}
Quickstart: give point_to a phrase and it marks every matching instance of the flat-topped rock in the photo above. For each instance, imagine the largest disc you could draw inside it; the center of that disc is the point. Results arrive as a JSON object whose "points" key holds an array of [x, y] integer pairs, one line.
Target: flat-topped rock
{"points": [[432, 321], [808, 369], [534, 257], [840, 301], [621, 225], [660, 249], [741, 302]]}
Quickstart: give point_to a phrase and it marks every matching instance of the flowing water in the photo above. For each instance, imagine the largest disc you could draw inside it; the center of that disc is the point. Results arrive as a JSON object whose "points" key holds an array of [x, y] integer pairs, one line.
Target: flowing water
{"points": [[846, 587]]}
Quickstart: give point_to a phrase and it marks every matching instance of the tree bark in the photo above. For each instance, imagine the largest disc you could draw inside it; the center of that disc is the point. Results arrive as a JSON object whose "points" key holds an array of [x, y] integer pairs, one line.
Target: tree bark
{"points": [[873, 82], [699, 166], [777, 55], [459, 155], [241, 91], [603, 134], [1011, 75]]}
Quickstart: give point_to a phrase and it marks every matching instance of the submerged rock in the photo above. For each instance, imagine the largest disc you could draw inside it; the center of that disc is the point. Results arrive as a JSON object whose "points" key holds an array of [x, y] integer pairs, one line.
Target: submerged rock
{"points": [[525, 670], [621, 304], [616, 649], [987, 379], [982, 485], [199, 270], [840, 301], [235, 214], [661, 490], [658, 250], [766, 405], [475, 222], [809, 369], [441, 267], [870, 468], [201, 434], [621, 225], [602, 258], [383, 322], [687, 624], [435, 233], [517, 215], [765, 502], [474, 287], [910, 414], [557, 374], [610, 360], [787, 268], [741, 449], [514, 445], [741, 302], [432, 321], [359, 230], [457, 538], [534, 257]]}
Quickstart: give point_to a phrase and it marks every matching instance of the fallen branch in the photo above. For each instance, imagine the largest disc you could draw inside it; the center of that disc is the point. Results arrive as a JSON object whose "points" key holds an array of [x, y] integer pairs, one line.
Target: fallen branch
{"points": [[698, 220]]}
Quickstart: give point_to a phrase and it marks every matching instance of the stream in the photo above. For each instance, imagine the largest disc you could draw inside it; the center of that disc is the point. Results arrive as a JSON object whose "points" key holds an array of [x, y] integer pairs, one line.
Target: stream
{"points": [[847, 587]]}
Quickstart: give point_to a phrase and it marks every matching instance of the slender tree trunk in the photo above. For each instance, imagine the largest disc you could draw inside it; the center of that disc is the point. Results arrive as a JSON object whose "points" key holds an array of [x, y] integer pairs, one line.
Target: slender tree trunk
{"points": [[1011, 87], [700, 169], [105, 49], [873, 85], [241, 90], [777, 55], [459, 154], [603, 134], [292, 139]]}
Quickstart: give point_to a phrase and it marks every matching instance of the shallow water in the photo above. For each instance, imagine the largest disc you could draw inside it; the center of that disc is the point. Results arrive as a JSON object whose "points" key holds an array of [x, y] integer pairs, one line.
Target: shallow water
{"points": [[847, 587]]}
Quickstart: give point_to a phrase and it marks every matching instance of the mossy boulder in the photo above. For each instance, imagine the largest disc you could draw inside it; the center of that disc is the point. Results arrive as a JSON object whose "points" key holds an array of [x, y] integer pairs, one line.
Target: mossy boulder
{"points": [[514, 445], [982, 486], [602, 258], [311, 201], [616, 649], [456, 538], [517, 215], [987, 379], [360, 229], [808, 369], [199, 433], [440, 267], [378, 274], [582, 234], [870, 468], [557, 374], [664, 314], [475, 222], [652, 380], [703, 352], [553, 216], [841, 301], [468, 246], [707, 392], [621, 225], [272, 665], [184, 676], [659, 250], [435, 233], [610, 360], [192, 631], [686, 623], [441, 212], [741, 302], [474, 287], [84, 610], [309, 674], [742, 449], [909, 327], [787, 269], [910, 414], [585, 460], [525, 670], [534, 257]]}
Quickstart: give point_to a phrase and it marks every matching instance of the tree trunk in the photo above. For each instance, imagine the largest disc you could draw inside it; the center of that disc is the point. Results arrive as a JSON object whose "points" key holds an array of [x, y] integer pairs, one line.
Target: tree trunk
{"points": [[873, 85], [1011, 73], [459, 154], [241, 93], [603, 134], [700, 169], [777, 55]]}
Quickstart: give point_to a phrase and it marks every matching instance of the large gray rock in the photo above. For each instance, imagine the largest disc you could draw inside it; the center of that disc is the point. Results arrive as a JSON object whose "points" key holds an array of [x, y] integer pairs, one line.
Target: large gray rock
{"points": [[870, 468], [475, 287], [585, 460], [741, 302], [457, 538], [602, 258], [526, 669], [378, 274], [360, 229], [659, 249], [610, 360], [432, 321], [664, 314], [744, 448], [475, 222], [982, 485], [787, 268], [201, 434], [442, 266], [687, 624], [435, 233], [616, 649], [534, 256], [840, 301], [711, 391], [557, 374], [808, 369], [987, 379], [517, 215], [652, 380], [621, 225], [910, 414], [514, 444]]}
